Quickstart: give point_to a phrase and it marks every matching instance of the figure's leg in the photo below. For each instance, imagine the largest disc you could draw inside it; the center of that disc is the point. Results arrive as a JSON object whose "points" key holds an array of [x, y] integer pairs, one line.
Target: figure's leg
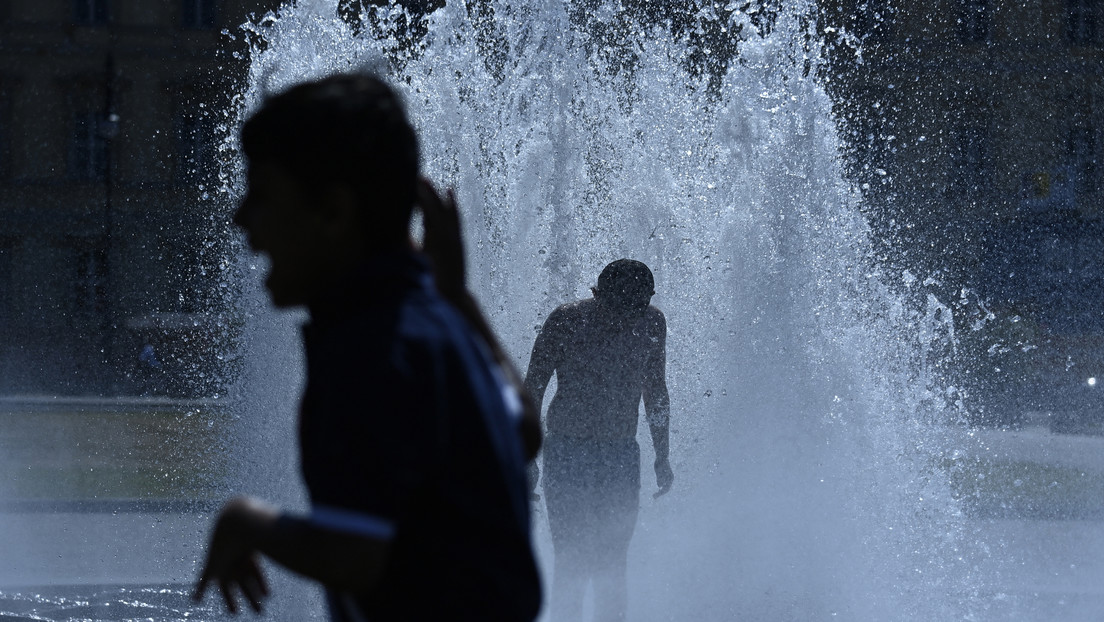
{"points": [[568, 584], [564, 495], [621, 502], [611, 588]]}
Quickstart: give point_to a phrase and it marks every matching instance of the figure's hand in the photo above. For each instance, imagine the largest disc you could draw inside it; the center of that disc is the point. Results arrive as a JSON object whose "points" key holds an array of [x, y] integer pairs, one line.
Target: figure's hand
{"points": [[443, 242], [232, 559], [664, 477]]}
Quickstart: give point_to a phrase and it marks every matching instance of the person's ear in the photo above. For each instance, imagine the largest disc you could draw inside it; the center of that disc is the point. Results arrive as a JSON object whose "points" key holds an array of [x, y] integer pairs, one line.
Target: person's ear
{"points": [[340, 209]]}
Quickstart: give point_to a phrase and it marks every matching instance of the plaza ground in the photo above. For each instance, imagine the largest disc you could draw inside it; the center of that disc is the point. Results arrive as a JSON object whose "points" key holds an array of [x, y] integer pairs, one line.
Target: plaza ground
{"points": [[121, 493]]}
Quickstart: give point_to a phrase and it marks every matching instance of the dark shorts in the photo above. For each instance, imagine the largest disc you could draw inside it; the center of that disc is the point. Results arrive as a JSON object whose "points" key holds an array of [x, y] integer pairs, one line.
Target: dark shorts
{"points": [[592, 490]]}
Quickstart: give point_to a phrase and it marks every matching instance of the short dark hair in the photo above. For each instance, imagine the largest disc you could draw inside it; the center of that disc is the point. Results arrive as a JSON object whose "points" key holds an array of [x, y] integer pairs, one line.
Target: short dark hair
{"points": [[626, 276], [348, 129]]}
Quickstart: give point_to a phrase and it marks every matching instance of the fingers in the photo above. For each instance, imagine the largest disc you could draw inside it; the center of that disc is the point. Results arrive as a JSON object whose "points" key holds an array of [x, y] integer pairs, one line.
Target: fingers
{"points": [[437, 211], [665, 481], [200, 588], [252, 594], [253, 585], [428, 199], [204, 580], [226, 587], [449, 207], [247, 579], [259, 576], [443, 241]]}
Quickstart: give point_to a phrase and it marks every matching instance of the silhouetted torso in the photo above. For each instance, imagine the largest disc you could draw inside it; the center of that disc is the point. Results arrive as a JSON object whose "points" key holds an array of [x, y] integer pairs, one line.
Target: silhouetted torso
{"points": [[602, 361], [404, 419]]}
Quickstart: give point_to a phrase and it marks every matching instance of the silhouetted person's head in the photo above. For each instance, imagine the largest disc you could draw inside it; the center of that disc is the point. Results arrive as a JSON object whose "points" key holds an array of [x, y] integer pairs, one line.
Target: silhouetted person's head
{"points": [[332, 173], [625, 284]]}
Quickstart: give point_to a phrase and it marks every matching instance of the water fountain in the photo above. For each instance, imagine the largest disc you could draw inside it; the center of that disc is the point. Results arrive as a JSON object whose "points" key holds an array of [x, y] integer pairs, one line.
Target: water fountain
{"points": [[805, 389], [809, 401]]}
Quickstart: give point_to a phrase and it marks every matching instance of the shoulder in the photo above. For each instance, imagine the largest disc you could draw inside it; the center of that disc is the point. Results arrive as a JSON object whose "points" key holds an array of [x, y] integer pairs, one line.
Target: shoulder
{"points": [[565, 314], [574, 308], [654, 316], [579, 309], [430, 326], [403, 335], [655, 321]]}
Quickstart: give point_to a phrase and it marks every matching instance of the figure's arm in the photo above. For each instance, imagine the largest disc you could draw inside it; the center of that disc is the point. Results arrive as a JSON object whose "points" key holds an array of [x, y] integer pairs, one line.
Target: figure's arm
{"points": [[341, 559], [542, 362], [444, 245], [657, 406]]}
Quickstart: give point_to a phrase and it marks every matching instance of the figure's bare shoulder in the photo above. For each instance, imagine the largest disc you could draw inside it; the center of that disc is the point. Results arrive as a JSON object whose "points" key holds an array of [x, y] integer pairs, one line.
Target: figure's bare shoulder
{"points": [[570, 312], [655, 319], [561, 319], [577, 307]]}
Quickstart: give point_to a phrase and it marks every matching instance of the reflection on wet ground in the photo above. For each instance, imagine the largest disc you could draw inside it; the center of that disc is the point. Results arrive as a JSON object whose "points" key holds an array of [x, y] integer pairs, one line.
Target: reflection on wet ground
{"points": [[150, 603]]}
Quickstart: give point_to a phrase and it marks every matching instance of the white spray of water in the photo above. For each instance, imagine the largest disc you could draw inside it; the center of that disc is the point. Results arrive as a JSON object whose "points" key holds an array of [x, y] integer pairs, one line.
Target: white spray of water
{"points": [[807, 396]]}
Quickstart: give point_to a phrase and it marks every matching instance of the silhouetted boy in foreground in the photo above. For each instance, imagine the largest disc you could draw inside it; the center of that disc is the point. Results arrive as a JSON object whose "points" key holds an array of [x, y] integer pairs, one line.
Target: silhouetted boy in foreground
{"points": [[409, 432], [607, 352]]}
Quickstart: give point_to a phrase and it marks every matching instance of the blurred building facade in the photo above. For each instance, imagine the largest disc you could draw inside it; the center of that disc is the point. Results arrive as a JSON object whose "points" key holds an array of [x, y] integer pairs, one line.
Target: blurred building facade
{"points": [[111, 258]]}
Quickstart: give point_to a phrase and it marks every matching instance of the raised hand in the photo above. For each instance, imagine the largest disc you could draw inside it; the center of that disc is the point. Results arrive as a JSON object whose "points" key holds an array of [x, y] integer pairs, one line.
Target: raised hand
{"points": [[443, 242]]}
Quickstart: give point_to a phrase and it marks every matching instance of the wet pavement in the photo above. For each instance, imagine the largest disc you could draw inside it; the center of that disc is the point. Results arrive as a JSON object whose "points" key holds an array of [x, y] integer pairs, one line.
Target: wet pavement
{"points": [[1037, 444], [104, 557], [48, 548], [1045, 569]]}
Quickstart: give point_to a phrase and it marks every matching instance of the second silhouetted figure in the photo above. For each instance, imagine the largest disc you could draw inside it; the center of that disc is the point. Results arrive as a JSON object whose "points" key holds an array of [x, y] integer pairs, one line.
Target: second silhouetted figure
{"points": [[608, 352]]}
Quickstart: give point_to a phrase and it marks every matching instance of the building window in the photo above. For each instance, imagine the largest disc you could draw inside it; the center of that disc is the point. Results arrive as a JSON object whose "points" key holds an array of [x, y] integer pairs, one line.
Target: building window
{"points": [[1081, 151], [198, 14], [195, 149], [973, 21], [88, 152], [91, 12], [1081, 21]]}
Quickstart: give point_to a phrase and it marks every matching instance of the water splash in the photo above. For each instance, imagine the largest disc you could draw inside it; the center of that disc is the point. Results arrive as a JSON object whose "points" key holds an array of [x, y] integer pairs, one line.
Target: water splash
{"points": [[808, 395]]}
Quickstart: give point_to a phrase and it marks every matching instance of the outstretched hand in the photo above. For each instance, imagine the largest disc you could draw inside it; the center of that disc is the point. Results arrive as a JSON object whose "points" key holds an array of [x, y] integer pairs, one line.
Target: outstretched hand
{"points": [[665, 477], [232, 560]]}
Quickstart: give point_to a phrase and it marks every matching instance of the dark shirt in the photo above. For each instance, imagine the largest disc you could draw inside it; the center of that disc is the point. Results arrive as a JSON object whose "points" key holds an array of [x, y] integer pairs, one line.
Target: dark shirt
{"points": [[409, 434]]}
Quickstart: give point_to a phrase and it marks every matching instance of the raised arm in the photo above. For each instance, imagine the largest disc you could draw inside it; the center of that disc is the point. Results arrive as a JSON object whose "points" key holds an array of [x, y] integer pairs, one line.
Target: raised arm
{"points": [[657, 404], [444, 245]]}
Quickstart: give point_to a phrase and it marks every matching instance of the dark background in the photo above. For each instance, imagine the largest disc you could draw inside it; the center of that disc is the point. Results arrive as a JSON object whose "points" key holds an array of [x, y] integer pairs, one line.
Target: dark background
{"points": [[973, 132]]}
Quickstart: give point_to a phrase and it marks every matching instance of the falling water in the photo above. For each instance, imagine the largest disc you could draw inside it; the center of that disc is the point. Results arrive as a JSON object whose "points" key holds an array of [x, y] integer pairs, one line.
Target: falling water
{"points": [[808, 395], [815, 420]]}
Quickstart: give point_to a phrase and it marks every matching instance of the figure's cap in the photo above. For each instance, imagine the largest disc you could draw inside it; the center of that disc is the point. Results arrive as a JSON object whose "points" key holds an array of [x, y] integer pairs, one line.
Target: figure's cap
{"points": [[627, 280]]}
